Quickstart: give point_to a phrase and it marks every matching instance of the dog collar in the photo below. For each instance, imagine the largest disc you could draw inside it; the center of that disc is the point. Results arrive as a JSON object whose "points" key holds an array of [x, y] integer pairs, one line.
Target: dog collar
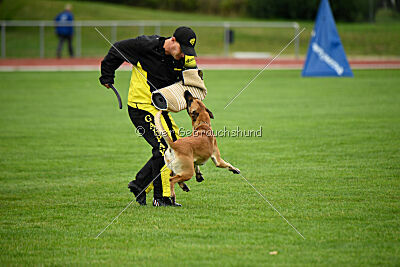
{"points": [[201, 123]]}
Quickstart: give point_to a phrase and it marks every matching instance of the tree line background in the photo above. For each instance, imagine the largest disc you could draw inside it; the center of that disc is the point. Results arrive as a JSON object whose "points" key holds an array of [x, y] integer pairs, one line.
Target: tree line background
{"points": [[343, 10]]}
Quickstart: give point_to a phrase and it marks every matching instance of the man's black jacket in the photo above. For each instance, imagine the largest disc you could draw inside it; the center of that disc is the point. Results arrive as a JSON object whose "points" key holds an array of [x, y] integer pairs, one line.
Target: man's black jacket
{"points": [[161, 69]]}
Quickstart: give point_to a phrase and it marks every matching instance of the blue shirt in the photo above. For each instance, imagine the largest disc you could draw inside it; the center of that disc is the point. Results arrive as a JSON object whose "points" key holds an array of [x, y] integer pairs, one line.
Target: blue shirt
{"points": [[64, 16]]}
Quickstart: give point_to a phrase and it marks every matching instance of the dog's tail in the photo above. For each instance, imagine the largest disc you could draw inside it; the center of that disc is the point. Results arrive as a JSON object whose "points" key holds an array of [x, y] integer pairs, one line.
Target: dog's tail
{"points": [[161, 131]]}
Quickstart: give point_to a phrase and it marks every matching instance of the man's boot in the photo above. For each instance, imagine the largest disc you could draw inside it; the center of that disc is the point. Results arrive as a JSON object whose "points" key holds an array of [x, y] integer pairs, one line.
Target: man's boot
{"points": [[140, 194]]}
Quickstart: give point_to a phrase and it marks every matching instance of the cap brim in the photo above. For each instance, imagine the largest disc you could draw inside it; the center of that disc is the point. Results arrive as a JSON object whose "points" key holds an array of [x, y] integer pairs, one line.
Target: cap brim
{"points": [[187, 50]]}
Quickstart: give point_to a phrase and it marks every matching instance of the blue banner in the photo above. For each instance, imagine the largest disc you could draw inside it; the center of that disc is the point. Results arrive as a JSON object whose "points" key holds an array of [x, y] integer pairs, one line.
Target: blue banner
{"points": [[326, 56]]}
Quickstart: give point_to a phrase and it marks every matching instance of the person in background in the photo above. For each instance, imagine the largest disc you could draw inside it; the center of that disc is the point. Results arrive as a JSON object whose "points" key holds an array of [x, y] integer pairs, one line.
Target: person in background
{"points": [[65, 32]]}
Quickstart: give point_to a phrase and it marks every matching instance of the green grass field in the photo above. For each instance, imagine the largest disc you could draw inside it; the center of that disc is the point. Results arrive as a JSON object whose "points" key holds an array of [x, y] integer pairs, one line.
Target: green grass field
{"points": [[359, 39], [328, 160]]}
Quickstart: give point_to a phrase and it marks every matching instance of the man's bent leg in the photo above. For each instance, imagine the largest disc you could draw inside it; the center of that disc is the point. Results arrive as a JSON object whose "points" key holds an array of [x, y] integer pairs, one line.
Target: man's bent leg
{"points": [[144, 121]]}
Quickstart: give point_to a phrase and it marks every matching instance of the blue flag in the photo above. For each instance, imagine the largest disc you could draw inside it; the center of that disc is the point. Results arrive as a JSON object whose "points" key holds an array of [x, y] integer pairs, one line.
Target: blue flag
{"points": [[326, 56]]}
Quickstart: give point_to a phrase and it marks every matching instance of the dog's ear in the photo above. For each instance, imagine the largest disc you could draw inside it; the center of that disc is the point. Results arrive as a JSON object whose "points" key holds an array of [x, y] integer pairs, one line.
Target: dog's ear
{"points": [[210, 113], [188, 96]]}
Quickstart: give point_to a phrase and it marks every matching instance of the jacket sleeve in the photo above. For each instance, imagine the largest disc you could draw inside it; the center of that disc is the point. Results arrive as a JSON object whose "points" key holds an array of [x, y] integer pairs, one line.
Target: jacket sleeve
{"points": [[190, 62], [126, 50]]}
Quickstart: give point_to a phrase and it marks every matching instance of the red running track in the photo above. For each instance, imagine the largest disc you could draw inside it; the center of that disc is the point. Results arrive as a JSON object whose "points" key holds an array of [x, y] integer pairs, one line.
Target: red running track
{"points": [[52, 64]]}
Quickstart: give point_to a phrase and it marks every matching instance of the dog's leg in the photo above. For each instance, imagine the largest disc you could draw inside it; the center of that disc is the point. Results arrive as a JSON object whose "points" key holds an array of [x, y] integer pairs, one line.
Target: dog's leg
{"points": [[180, 180], [172, 188], [220, 163], [199, 175]]}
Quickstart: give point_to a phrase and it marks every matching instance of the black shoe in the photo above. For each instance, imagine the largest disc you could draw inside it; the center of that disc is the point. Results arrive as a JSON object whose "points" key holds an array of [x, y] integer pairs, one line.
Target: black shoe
{"points": [[141, 199], [164, 201]]}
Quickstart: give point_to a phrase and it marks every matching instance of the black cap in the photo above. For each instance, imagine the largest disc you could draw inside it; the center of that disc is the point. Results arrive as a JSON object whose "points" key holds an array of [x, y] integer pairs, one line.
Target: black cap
{"points": [[187, 40]]}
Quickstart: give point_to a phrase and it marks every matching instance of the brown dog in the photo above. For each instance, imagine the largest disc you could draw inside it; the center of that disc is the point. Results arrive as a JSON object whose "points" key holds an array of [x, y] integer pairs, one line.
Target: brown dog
{"points": [[185, 155]]}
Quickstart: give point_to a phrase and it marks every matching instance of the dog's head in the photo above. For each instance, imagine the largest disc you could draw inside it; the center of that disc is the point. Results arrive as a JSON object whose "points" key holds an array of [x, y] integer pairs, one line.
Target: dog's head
{"points": [[197, 110]]}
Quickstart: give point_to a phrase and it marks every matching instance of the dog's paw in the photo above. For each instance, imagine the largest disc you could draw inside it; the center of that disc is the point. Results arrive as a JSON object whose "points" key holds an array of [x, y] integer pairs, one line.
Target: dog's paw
{"points": [[199, 177], [185, 187], [235, 170]]}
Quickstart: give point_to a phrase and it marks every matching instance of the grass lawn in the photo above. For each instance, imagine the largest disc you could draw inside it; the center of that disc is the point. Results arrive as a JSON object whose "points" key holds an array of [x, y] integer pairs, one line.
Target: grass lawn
{"points": [[365, 39], [328, 160]]}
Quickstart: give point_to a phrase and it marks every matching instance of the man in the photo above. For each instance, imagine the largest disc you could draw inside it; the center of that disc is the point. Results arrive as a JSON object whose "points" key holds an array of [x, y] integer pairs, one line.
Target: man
{"points": [[157, 62], [66, 31]]}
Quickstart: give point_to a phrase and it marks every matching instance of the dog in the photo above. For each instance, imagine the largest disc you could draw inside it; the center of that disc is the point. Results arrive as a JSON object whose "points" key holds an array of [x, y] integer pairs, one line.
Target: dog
{"points": [[185, 155]]}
